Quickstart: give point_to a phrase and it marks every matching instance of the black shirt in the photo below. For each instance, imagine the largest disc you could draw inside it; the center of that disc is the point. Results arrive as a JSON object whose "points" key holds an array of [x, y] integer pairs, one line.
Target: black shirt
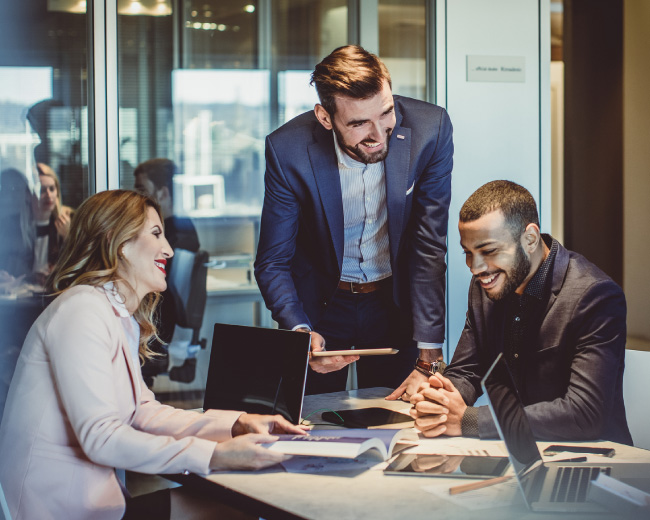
{"points": [[522, 319], [523, 315]]}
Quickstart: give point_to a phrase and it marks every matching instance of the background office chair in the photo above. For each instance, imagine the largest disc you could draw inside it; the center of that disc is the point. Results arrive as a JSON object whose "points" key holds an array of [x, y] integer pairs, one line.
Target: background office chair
{"points": [[187, 283], [635, 384]]}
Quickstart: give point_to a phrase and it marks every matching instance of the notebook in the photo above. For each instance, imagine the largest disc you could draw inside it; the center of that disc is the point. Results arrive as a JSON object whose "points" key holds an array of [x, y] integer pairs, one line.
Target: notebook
{"points": [[553, 486], [257, 370]]}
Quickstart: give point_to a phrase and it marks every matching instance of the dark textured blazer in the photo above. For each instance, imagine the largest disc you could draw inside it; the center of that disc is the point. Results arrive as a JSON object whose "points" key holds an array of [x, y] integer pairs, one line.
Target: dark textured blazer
{"points": [[573, 370], [300, 251]]}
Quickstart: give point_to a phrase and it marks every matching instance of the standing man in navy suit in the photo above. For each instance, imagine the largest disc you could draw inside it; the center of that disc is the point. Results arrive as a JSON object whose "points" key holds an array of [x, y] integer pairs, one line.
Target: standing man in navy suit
{"points": [[354, 226]]}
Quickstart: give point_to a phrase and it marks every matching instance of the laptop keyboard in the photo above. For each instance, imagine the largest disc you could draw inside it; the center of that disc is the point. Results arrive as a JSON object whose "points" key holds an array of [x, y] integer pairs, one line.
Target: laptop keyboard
{"points": [[571, 483]]}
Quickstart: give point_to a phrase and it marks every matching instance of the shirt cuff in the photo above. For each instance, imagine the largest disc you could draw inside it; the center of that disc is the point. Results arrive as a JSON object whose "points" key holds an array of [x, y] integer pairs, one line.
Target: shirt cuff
{"points": [[469, 422], [302, 326], [426, 346]]}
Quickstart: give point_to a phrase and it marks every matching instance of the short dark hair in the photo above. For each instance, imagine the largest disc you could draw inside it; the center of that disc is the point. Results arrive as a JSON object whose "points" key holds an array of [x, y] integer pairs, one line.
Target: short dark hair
{"points": [[160, 172], [514, 201], [348, 71]]}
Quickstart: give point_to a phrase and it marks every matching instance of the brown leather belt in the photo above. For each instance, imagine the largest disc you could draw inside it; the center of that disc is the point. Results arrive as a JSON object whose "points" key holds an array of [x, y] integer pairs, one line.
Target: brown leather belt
{"points": [[363, 288]]}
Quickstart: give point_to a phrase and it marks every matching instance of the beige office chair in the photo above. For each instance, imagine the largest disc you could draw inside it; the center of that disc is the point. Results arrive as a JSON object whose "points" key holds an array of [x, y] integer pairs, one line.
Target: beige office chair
{"points": [[635, 384]]}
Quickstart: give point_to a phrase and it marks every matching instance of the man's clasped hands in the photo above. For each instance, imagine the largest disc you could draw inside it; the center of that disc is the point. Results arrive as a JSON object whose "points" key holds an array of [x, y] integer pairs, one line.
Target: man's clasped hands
{"points": [[438, 407]]}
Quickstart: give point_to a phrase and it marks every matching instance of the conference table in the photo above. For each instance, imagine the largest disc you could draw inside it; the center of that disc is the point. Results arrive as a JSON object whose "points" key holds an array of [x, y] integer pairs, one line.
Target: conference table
{"points": [[330, 493]]}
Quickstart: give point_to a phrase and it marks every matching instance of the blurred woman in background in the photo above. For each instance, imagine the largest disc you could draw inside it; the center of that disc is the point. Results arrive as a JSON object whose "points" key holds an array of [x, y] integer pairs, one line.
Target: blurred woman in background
{"points": [[52, 222]]}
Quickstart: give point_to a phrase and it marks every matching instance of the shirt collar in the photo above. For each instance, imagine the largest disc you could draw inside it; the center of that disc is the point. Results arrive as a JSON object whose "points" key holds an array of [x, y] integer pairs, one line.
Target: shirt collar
{"points": [[116, 299], [343, 158], [537, 285]]}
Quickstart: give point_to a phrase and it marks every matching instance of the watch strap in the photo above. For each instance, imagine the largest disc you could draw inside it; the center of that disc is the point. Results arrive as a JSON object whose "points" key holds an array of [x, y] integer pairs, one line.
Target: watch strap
{"points": [[428, 368]]}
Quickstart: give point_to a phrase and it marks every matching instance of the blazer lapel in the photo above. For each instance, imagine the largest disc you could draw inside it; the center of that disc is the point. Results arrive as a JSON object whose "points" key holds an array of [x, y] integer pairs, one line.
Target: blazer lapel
{"points": [[133, 370], [326, 174], [397, 166], [560, 266]]}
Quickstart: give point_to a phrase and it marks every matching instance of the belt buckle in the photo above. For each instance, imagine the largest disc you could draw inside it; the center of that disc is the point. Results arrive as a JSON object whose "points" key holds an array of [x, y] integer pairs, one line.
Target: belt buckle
{"points": [[352, 288]]}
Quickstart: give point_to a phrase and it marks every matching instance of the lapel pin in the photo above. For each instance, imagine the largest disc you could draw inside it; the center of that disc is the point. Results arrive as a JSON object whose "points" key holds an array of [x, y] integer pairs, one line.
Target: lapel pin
{"points": [[400, 136]]}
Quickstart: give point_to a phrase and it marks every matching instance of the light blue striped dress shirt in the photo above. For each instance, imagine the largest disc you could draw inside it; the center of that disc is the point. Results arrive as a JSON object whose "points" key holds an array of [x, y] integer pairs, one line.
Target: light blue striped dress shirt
{"points": [[366, 253]]}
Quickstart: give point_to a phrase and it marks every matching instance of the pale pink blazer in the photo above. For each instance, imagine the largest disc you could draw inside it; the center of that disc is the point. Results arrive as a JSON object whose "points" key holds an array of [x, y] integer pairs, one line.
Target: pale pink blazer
{"points": [[77, 408]]}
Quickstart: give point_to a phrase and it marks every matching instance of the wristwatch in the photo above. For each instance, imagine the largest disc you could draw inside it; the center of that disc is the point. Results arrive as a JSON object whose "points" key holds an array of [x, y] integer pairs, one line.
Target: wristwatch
{"points": [[428, 368]]}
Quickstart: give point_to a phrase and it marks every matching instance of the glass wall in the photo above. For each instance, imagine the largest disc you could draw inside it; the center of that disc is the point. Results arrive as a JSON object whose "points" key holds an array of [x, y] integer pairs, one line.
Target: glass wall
{"points": [[200, 83], [402, 45], [43, 128]]}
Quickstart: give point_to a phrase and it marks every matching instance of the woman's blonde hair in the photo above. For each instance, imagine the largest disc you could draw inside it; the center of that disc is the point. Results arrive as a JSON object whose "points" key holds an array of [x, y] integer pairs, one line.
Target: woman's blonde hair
{"points": [[47, 171], [91, 254]]}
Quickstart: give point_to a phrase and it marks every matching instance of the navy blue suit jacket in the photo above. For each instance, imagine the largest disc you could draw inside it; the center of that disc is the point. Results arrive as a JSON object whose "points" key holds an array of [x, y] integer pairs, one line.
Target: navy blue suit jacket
{"points": [[300, 251], [572, 372]]}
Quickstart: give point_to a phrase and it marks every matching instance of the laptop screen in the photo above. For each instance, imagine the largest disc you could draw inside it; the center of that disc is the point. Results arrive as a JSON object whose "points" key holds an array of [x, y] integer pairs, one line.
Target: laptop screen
{"points": [[257, 370], [509, 416]]}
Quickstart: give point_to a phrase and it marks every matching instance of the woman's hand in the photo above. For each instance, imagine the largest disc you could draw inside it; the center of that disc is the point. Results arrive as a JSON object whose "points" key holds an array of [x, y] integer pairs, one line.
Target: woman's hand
{"points": [[245, 453], [62, 223], [253, 423]]}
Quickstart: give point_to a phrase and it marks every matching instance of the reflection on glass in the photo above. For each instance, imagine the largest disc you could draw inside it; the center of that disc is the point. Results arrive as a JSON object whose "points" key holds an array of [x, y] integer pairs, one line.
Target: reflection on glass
{"points": [[221, 119], [296, 95], [304, 32], [220, 34], [43, 119], [43, 114], [402, 45]]}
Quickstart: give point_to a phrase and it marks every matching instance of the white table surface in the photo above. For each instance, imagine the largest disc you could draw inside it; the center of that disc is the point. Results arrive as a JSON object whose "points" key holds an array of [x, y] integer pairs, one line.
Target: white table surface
{"points": [[371, 494]]}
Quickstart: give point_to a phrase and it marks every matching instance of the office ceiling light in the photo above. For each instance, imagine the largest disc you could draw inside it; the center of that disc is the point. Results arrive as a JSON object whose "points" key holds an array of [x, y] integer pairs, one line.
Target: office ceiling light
{"points": [[249, 8], [124, 7], [135, 7]]}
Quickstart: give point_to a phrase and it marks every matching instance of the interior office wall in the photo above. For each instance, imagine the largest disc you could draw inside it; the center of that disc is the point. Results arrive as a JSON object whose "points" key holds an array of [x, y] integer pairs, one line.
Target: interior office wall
{"points": [[501, 130], [636, 166]]}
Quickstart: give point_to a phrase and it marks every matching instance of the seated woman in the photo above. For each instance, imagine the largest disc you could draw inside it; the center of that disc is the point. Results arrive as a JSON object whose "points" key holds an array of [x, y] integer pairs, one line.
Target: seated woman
{"points": [[77, 406], [52, 222]]}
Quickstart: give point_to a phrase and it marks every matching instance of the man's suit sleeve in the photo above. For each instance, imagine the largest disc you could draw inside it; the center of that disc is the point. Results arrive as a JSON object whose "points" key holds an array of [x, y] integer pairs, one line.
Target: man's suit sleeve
{"points": [[428, 241], [598, 320], [465, 370], [277, 245]]}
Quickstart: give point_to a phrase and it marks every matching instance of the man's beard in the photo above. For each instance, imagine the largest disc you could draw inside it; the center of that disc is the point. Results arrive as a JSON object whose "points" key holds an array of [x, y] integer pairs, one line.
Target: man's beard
{"points": [[366, 158], [513, 277]]}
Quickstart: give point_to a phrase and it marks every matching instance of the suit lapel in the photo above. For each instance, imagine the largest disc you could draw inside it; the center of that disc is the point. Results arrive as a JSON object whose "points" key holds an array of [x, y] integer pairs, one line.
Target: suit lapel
{"points": [[326, 174], [397, 167], [560, 266], [126, 352]]}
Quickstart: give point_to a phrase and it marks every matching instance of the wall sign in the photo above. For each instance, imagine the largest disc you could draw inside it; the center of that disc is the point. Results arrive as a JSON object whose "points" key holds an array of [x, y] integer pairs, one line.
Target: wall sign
{"points": [[504, 69]]}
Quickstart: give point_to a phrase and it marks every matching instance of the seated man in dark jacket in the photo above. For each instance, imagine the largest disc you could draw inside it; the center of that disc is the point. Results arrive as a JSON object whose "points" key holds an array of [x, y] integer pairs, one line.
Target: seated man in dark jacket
{"points": [[557, 318], [155, 179]]}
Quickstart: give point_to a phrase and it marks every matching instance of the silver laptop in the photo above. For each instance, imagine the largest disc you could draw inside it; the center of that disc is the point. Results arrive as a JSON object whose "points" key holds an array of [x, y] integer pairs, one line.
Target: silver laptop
{"points": [[257, 370], [553, 486]]}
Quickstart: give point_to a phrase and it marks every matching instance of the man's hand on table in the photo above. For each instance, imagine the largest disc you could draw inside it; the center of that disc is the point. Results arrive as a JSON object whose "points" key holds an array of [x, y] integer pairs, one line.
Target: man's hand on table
{"points": [[438, 408], [254, 423], [323, 365], [409, 387]]}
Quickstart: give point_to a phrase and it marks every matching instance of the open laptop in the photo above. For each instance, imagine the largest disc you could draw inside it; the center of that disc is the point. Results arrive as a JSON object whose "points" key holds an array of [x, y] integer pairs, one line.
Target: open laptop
{"points": [[257, 370], [552, 486]]}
